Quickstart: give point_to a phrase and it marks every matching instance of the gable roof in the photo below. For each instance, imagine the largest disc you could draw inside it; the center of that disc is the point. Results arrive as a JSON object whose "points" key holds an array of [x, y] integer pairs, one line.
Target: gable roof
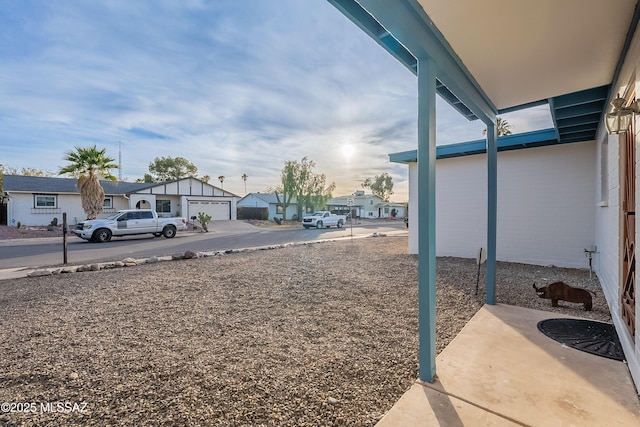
{"points": [[189, 180], [44, 184]]}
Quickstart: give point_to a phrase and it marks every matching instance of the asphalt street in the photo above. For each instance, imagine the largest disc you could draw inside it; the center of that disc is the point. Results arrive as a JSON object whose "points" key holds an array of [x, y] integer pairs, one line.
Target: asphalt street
{"points": [[224, 235]]}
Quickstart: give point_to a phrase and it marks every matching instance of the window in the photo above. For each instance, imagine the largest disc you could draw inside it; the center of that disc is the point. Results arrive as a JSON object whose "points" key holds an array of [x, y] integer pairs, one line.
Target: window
{"points": [[46, 201], [107, 203], [386, 210], [279, 209], [146, 215], [371, 202], [163, 206]]}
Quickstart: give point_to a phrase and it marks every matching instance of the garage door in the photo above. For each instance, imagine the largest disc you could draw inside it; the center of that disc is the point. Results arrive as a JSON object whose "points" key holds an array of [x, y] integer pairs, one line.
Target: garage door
{"points": [[217, 210]]}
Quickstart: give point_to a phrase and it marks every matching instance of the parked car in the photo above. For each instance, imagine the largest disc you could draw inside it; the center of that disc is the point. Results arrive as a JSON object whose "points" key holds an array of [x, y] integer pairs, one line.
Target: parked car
{"points": [[127, 223], [323, 219]]}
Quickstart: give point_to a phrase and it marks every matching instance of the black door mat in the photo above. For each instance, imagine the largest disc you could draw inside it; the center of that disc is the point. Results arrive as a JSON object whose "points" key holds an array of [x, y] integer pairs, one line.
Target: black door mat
{"points": [[590, 336]]}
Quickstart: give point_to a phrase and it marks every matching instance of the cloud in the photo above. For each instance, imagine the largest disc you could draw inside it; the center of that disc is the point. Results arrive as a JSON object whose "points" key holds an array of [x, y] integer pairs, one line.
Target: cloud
{"points": [[235, 86]]}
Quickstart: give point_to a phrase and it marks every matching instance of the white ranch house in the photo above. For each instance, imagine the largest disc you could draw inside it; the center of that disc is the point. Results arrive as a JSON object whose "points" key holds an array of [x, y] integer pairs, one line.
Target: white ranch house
{"points": [[267, 206], [366, 206], [36, 201]]}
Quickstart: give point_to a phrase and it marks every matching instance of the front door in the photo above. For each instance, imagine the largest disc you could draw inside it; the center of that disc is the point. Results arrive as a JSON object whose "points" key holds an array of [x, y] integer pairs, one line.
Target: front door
{"points": [[628, 206]]}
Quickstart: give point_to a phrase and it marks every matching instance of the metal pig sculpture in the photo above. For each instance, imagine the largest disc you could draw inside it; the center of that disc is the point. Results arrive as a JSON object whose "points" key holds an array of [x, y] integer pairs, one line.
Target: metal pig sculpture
{"points": [[560, 291]]}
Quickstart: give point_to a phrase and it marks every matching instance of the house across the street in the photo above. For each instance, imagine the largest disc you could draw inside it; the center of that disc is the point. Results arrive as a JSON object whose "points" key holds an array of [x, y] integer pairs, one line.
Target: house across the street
{"points": [[264, 206], [36, 201], [368, 206]]}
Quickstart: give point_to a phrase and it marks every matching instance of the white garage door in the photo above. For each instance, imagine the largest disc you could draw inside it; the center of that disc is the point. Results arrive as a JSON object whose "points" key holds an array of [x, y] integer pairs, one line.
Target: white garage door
{"points": [[217, 210]]}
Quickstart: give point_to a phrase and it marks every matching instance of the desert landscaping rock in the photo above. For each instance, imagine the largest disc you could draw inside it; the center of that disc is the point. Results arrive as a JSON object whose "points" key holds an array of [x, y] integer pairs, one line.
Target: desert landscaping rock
{"points": [[39, 273], [258, 338], [190, 255]]}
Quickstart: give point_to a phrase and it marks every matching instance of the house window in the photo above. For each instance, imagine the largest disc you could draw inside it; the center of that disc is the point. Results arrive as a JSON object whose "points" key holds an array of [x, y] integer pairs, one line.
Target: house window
{"points": [[163, 206], [371, 202], [279, 209], [386, 211], [46, 201], [107, 203]]}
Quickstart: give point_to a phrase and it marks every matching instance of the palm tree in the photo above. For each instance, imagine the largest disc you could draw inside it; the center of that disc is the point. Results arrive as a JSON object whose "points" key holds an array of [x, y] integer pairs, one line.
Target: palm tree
{"points": [[221, 179], [244, 178], [89, 165], [502, 127]]}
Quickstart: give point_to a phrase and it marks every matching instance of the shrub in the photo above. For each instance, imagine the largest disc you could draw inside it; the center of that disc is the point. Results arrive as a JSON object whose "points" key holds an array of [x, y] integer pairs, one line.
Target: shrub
{"points": [[204, 219]]}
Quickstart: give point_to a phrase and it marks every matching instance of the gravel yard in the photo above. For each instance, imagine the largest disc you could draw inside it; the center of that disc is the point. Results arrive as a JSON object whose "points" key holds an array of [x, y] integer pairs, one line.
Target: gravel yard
{"points": [[308, 335]]}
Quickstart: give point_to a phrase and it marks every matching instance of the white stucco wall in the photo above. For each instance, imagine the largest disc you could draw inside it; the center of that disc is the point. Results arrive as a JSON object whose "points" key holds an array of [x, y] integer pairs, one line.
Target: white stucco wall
{"points": [[609, 240], [20, 209], [608, 215], [546, 201]]}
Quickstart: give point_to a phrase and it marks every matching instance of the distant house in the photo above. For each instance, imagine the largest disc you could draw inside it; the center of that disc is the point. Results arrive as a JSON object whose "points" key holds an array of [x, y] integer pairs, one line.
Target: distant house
{"points": [[264, 206], [33, 200], [366, 206], [387, 209]]}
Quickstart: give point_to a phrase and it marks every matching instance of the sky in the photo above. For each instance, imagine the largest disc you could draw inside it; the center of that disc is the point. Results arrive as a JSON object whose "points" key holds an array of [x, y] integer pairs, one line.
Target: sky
{"points": [[234, 86]]}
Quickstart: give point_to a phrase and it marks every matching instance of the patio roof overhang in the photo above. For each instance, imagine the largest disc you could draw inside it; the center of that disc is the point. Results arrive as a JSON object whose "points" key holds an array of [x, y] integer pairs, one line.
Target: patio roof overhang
{"points": [[564, 54]]}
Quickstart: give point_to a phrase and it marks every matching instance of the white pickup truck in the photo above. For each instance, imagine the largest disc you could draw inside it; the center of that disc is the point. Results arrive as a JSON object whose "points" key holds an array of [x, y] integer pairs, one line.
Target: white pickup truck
{"points": [[128, 222], [323, 219]]}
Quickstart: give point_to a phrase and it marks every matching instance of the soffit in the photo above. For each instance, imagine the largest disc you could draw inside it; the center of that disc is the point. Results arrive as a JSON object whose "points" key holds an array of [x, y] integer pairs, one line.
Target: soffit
{"points": [[524, 51]]}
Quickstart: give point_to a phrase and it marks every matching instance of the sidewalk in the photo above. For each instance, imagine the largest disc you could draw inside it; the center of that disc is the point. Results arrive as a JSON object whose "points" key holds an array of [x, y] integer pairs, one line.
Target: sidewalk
{"points": [[501, 371]]}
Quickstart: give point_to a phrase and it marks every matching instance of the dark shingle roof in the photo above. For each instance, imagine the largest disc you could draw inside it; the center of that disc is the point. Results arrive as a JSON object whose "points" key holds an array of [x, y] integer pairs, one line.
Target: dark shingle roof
{"points": [[44, 184]]}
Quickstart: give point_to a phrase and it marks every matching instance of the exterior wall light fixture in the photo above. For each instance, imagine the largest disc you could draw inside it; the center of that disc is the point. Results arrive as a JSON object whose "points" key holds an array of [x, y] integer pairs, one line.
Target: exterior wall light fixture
{"points": [[619, 119]]}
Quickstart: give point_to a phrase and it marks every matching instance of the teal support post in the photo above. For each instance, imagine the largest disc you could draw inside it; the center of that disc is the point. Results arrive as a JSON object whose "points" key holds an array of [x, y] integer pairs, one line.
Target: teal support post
{"points": [[492, 211], [427, 218]]}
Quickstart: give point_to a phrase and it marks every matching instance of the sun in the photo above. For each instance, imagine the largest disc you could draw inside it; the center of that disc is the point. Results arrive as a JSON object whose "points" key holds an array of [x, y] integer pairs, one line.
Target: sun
{"points": [[348, 151]]}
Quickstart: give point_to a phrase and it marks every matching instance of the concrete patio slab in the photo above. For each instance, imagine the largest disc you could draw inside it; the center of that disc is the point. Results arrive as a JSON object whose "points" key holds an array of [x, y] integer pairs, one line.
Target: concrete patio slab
{"points": [[501, 371]]}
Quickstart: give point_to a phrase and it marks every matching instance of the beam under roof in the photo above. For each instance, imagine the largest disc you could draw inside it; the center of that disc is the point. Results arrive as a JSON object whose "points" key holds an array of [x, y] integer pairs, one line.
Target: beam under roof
{"points": [[454, 83], [538, 138]]}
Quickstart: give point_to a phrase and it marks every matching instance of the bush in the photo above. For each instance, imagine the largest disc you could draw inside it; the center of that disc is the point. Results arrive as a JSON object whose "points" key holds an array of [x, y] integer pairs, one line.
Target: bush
{"points": [[204, 219]]}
